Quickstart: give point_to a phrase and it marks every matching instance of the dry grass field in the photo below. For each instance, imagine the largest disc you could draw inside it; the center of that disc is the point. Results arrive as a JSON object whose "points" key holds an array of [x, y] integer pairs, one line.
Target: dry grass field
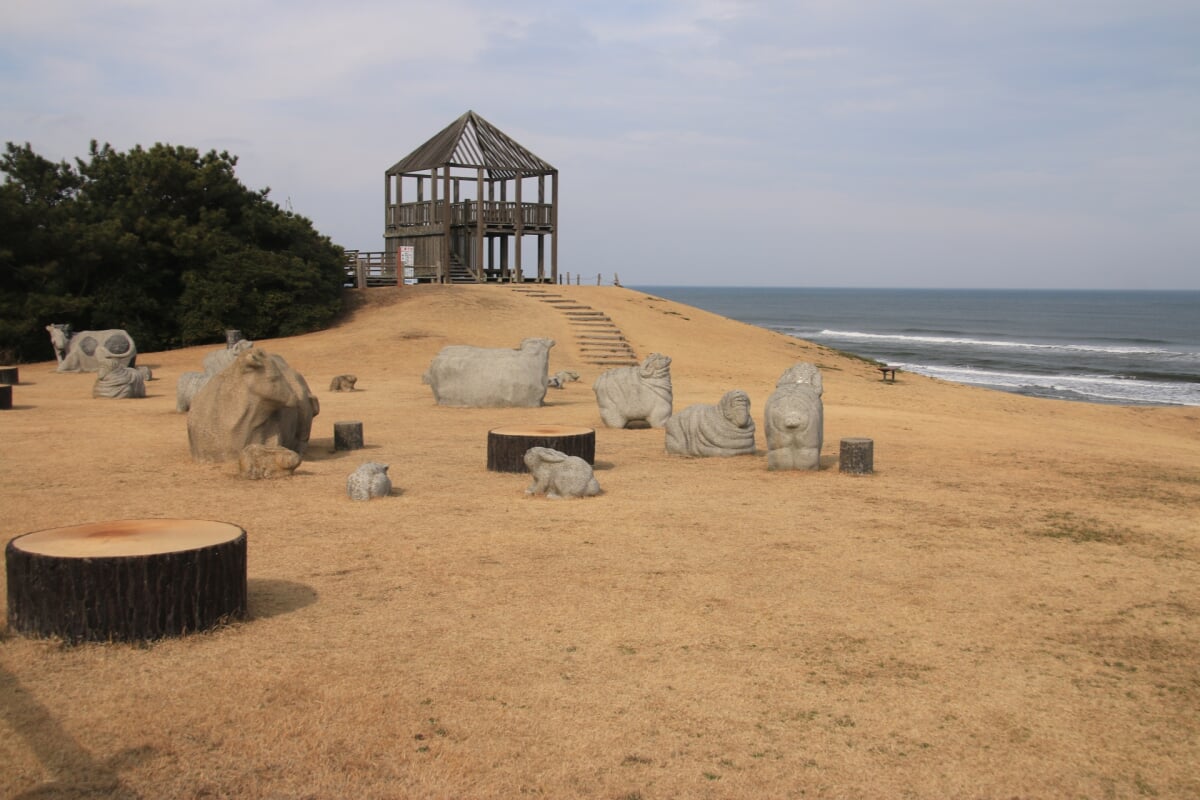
{"points": [[1008, 608]]}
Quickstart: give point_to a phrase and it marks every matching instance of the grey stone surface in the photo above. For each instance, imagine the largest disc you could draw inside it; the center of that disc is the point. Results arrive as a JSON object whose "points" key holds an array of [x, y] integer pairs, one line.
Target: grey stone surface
{"points": [[147, 374], [560, 379], [259, 461], [804, 373], [76, 352], [369, 480], [186, 387], [480, 377], [794, 425], [217, 360], [639, 394], [558, 475], [114, 380], [724, 429], [258, 399], [343, 383]]}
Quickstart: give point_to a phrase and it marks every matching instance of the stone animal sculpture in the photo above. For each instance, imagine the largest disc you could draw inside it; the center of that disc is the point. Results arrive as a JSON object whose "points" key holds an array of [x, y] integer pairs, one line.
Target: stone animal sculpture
{"points": [[259, 461], [794, 420], [343, 383], [369, 480], [217, 360], [480, 377], [560, 379], [636, 397], [147, 374], [724, 429], [258, 399], [115, 380], [76, 352], [186, 387], [558, 475]]}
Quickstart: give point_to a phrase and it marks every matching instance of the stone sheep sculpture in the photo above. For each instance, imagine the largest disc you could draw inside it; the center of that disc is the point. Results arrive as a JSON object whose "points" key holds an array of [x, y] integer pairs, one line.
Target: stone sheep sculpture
{"points": [[794, 420], [76, 352], [259, 461], [479, 377], [558, 475], [343, 383], [115, 380], [369, 480], [725, 429], [258, 399], [636, 397]]}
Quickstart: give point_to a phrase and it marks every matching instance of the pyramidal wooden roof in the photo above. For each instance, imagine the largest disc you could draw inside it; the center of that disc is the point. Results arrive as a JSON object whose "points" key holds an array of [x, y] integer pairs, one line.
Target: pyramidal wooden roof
{"points": [[471, 141]]}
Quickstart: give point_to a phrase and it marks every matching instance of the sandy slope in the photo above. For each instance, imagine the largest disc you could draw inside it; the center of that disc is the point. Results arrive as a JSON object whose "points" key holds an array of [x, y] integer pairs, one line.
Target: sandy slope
{"points": [[1007, 608]]}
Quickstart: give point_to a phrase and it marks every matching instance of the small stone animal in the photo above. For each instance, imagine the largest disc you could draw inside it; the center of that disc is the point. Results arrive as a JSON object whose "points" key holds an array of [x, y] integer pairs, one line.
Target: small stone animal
{"points": [[630, 397], [724, 429], [560, 379], [258, 461], [343, 383], [369, 480], [559, 475]]}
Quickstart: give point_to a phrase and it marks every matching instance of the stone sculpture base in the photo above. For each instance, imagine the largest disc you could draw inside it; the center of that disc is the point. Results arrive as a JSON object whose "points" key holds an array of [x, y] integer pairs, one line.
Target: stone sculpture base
{"points": [[507, 446], [9, 375], [128, 580], [347, 435], [857, 456], [5, 397]]}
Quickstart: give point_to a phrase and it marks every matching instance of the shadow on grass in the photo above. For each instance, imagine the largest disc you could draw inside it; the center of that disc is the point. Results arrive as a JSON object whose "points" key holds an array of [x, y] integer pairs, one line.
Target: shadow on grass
{"points": [[268, 597]]}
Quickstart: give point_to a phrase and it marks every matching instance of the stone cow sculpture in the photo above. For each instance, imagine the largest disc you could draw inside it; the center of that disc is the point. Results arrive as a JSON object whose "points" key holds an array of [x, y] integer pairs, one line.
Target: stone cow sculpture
{"points": [[258, 399], [558, 475], [259, 461], [794, 420], [634, 397], [480, 377], [724, 429], [76, 352], [369, 480], [116, 381]]}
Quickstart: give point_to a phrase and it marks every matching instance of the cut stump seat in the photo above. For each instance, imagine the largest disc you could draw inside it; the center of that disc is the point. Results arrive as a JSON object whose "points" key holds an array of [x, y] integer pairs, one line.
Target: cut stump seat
{"points": [[507, 445], [10, 375], [5, 397], [127, 580]]}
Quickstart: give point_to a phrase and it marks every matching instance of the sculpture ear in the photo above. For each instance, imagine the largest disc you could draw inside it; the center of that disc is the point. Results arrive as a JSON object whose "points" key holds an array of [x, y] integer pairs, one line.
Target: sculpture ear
{"points": [[551, 456]]}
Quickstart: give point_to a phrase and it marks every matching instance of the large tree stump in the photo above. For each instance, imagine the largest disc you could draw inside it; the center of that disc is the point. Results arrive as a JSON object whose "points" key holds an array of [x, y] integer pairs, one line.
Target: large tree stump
{"points": [[507, 446], [128, 580], [857, 456], [9, 375], [5, 397], [347, 435], [232, 337]]}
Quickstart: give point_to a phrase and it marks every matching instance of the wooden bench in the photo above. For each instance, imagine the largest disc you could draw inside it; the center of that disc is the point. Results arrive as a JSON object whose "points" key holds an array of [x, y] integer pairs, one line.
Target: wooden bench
{"points": [[887, 373]]}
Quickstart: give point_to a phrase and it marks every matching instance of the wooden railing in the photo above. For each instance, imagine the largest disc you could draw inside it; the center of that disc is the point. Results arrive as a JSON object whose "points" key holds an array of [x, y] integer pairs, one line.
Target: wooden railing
{"points": [[494, 212]]}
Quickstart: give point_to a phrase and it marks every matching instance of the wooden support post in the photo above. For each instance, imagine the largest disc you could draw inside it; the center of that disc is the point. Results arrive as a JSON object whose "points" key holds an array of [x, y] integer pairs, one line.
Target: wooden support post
{"points": [[507, 446], [857, 456], [129, 580], [347, 435], [10, 375]]}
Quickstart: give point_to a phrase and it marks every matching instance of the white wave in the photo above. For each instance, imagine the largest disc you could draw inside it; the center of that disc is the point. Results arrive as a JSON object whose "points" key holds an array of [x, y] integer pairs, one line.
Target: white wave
{"points": [[1100, 388], [955, 341]]}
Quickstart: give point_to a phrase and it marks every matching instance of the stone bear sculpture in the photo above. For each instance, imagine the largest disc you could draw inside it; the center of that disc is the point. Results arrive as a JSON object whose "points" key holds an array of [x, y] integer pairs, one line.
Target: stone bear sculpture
{"points": [[794, 420], [480, 377], [343, 383], [634, 397], [76, 352], [369, 480], [258, 399], [558, 475], [724, 429], [258, 461], [114, 380]]}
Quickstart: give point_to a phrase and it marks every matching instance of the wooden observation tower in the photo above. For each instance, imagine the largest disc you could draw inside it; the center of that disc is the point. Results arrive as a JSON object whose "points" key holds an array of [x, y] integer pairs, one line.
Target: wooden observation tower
{"points": [[467, 206]]}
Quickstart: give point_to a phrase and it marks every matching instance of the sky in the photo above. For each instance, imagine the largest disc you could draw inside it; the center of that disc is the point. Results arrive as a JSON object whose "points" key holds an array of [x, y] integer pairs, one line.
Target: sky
{"points": [[872, 143]]}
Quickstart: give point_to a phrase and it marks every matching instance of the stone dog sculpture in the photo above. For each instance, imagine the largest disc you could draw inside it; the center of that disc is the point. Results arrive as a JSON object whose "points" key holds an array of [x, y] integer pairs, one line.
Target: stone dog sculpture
{"points": [[558, 475], [258, 399], [725, 429], [794, 420], [480, 377], [634, 397], [76, 352], [116, 381], [369, 480]]}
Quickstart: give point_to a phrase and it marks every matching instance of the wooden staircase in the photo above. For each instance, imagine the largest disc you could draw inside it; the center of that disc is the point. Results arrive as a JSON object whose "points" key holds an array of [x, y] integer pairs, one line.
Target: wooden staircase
{"points": [[599, 340], [458, 270]]}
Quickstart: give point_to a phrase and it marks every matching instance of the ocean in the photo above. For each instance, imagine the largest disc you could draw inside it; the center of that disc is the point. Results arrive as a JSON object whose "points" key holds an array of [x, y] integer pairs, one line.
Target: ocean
{"points": [[1128, 348]]}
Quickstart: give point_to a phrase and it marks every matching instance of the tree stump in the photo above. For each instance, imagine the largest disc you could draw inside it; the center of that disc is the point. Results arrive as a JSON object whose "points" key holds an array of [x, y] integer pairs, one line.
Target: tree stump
{"points": [[507, 446], [9, 375], [128, 580], [857, 456], [347, 435], [232, 337], [5, 397]]}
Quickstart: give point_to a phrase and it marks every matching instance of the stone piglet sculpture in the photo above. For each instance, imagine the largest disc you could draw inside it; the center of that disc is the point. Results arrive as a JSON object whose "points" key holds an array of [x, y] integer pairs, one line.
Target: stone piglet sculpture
{"points": [[369, 480], [725, 429], [258, 399], [258, 461], [558, 475], [632, 397], [77, 352], [480, 377], [794, 420]]}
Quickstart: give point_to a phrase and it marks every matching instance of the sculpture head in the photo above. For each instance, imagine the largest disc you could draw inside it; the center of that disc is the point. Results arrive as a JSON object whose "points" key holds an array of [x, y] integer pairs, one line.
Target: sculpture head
{"points": [[264, 378], [656, 365], [735, 407], [60, 337], [802, 373]]}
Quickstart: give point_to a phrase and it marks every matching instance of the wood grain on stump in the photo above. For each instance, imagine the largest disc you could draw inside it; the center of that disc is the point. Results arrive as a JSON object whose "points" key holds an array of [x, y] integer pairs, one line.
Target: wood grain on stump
{"points": [[5, 396], [9, 375], [857, 456], [347, 435], [507, 445], [127, 580]]}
